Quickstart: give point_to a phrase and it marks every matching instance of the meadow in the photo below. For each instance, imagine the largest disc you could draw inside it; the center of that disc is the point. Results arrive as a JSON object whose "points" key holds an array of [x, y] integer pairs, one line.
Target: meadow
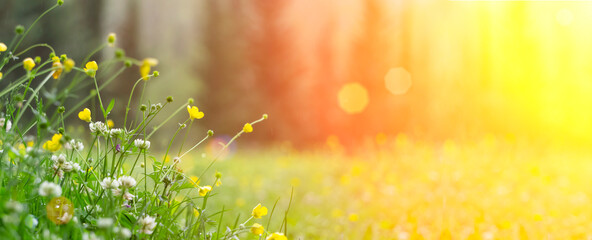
{"points": [[402, 188]]}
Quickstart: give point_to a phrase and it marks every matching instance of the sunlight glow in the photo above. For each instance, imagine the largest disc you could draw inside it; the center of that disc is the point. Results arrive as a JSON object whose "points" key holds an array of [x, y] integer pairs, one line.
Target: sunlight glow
{"points": [[397, 81], [353, 98]]}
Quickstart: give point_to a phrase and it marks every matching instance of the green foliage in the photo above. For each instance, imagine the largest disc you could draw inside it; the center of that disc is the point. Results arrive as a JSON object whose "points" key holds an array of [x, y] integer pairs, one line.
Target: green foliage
{"points": [[54, 185]]}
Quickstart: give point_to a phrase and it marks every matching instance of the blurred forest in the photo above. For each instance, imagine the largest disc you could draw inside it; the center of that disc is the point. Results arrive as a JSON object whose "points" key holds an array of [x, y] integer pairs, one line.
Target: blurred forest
{"points": [[473, 66]]}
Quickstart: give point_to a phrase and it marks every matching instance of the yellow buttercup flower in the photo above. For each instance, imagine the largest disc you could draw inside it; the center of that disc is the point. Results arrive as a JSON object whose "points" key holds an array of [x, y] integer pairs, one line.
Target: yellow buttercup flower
{"points": [[68, 65], [110, 123], [147, 63], [248, 128], [276, 236], [28, 64], [0, 75], [57, 67], [53, 144], [195, 180], [259, 211], [194, 112], [91, 68], [60, 210], [196, 212], [257, 229], [204, 190], [84, 115], [3, 47], [353, 217]]}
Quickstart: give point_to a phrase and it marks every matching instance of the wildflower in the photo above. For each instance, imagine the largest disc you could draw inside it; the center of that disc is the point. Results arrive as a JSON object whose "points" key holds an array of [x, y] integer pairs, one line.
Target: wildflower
{"points": [[147, 224], [0, 75], [49, 189], [84, 115], [276, 236], [118, 148], [110, 123], [259, 211], [28, 64], [91, 68], [142, 144], [57, 66], [147, 63], [98, 127], [3, 47], [3, 123], [68, 65], [111, 39], [248, 128], [53, 144], [127, 181], [195, 180], [194, 112], [73, 144], [109, 183], [90, 236], [353, 217], [205, 190], [123, 233], [104, 222], [115, 131], [257, 229], [196, 212]]}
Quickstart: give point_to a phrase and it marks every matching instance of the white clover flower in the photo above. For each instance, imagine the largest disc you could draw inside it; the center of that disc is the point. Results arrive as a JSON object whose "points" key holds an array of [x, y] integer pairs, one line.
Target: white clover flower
{"points": [[104, 222], [98, 127], [147, 224], [127, 181], [123, 233], [67, 167], [59, 159], [109, 183], [116, 132], [76, 167], [89, 208], [7, 123], [90, 236], [128, 196], [73, 144], [13, 206], [50, 189], [142, 144]]}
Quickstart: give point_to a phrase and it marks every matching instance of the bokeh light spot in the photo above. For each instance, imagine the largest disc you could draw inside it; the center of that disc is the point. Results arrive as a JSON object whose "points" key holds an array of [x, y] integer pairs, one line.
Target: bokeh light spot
{"points": [[397, 81], [564, 17], [353, 98]]}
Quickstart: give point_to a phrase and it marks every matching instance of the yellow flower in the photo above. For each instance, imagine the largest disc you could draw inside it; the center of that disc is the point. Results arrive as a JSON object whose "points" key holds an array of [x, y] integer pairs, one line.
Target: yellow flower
{"points": [[259, 211], [84, 115], [257, 229], [110, 123], [57, 67], [60, 210], [194, 112], [218, 183], [196, 212], [205, 190], [68, 65], [276, 236], [53, 144], [3, 47], [147, 63], [0, 75], [91, 68], [195, 180], [353, 217], [248, 128], [28, 64]]}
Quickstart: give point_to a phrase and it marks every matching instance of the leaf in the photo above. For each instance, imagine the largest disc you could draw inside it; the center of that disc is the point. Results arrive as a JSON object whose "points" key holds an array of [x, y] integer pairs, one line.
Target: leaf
{"points": [[110, 107]]}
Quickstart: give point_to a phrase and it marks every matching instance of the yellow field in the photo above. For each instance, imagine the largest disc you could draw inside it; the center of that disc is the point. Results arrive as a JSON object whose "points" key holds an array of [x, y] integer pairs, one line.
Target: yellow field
{"points": [[493, 188]]}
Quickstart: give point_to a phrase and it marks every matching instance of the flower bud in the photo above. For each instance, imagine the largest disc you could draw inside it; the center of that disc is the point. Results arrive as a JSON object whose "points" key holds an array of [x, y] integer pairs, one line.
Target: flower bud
{"points": [[210, 133], [169, 99], [19, 29]]}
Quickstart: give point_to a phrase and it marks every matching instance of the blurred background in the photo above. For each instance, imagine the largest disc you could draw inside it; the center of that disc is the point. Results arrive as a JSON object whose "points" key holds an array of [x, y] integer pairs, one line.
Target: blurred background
{"points": [[347, 70]]}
